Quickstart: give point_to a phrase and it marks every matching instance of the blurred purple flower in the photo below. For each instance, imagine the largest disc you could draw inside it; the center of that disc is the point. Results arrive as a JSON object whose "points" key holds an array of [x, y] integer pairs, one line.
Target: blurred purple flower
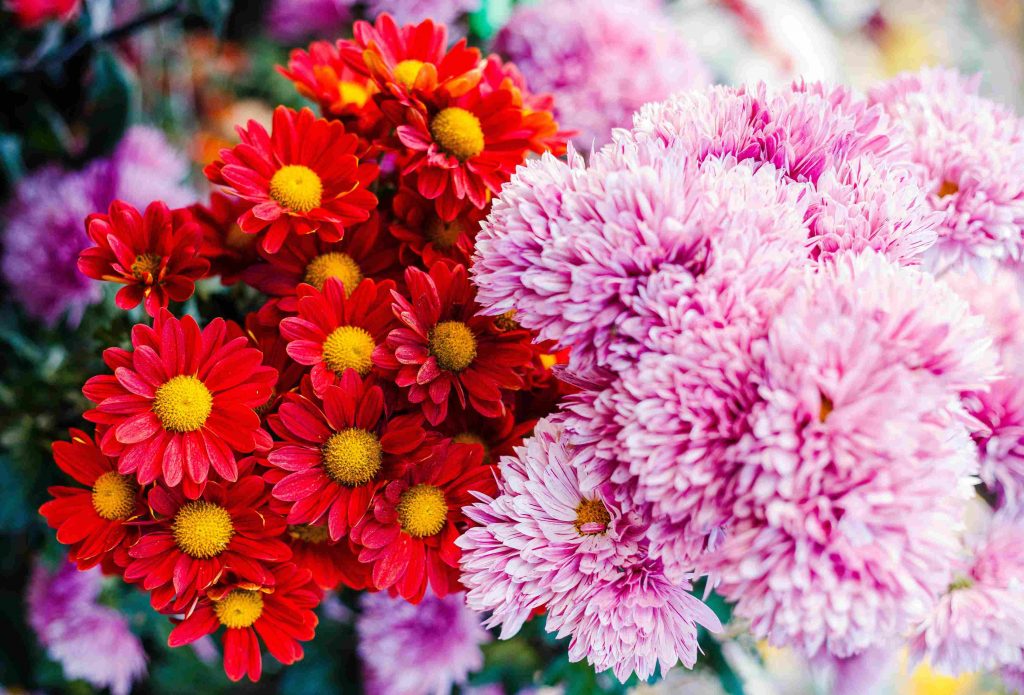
{"points": [[145, 167], [291, 21], [415, 11]]}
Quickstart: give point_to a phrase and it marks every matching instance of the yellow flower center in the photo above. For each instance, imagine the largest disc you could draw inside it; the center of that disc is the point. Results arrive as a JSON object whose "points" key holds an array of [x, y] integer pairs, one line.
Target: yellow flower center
{"points": [[352, 456], [407, 71], [349, 347], [422, 510], [309, 534], [339, 266], [443, 235], [548, 360], [202, 529], [297, 188], [947, 188], [458, 132], [453, 344], [473, 438], [146, 266], [240, 608], [507, 321], [590, 512], [237, 239], [113, 496], [183, 403], [353, 93], [826, 408], [961, 583]]}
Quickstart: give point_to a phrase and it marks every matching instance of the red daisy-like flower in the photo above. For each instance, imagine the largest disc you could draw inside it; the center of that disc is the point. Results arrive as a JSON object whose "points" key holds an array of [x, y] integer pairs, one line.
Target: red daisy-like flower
{"points": [[463, 149], [263, 329], [282, 618], [228, 249], [155, 256], [340, 451], [332, 563], [322, 75], [424, 235], [333, 333], [93, 520], [194, 543], [181, 401], [496, 436], [538, 109], [410, 536], [445, 346], [411, 62], [311, 260], [304, 177]]}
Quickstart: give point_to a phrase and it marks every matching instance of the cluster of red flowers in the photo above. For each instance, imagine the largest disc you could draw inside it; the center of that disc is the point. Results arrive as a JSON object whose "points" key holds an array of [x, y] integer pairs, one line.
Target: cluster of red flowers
{"points": [[236, 473]]}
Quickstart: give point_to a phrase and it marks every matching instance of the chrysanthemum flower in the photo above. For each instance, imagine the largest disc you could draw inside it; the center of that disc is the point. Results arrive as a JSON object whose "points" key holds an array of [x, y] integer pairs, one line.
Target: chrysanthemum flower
{"points": [[331, 563], [280, 614], [553, 539], [545, 133], [424, 235], [194, 543], [969, 148], [334, 332], [227, 248], [602, 60], [496, 436], [263, 330], [293, 20], [339, 451], [311, 260], [304, 177], [407, 11], [92, 520], [145, 167], [182, 401], [445, 346], [155, 256], [418, 650], [978, 623], [410, 535]]}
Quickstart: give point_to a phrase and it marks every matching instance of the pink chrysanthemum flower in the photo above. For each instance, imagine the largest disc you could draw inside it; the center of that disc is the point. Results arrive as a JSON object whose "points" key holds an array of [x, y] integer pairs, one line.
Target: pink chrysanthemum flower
{"points": [[602, 59], [552, 539], [978, 623], [972, 151], [422, 649]]}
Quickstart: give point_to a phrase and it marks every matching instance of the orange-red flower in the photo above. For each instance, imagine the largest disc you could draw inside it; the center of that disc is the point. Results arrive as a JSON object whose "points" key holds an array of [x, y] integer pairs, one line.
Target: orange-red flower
{"points": [[281, 617], [182, 401], [332, 563], [446, 346], [230, 531], [424, 235], [228, 249], [304, 177], [410, 536], [155, 257], [94, 520]]}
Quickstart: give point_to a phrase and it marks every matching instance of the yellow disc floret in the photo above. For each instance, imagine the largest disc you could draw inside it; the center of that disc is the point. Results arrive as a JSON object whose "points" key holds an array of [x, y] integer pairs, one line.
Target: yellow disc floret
{"points": [[444, 235], [591, 514], [352, 457], [422, 510], [297, 188], [146, 266], [337, 265], [407, 71], [453, 344], [183, 403], [947, 188], [113, 496], [309, 533], [239, 608], [349, 347], [353, 93], [202, 530], [458, 132]]}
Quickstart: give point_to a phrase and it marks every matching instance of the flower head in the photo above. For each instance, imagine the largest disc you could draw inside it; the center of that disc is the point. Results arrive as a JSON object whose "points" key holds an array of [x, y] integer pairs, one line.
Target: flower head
{"points": [[228, 249], [332, 564], [181, 402], [145, 168], [412, 11], [426, 648], [304, 177], [293, 20], [155, 255]]}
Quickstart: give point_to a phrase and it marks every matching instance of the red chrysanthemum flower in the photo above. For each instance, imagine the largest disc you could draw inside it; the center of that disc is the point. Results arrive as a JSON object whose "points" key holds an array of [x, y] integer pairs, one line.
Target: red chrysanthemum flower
{"points": [[445, 346], [322, 75], [194, 544], [304, 177], [181, 401], [538, 109], [410, 536], [331, 563], [496, 436], [263, 329], [424, 235], [340, 451], [93, 520], [333, 333], [463, 149], [312, 260], [228, 249], [155, 256], [281, 618], [412, 62]]}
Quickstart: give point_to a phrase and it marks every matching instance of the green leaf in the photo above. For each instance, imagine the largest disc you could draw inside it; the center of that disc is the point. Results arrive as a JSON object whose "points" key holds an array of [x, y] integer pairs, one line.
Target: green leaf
{"points": [[214, 12], [491, 16], [113, 100]]}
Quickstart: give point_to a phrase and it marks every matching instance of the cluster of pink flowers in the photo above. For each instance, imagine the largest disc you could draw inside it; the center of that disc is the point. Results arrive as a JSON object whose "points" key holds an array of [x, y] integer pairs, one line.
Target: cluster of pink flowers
{"points": [[777, 391]]}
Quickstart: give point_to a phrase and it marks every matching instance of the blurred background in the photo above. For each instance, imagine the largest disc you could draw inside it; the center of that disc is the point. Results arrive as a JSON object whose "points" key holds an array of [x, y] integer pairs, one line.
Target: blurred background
{"points": [[129, 99]]}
